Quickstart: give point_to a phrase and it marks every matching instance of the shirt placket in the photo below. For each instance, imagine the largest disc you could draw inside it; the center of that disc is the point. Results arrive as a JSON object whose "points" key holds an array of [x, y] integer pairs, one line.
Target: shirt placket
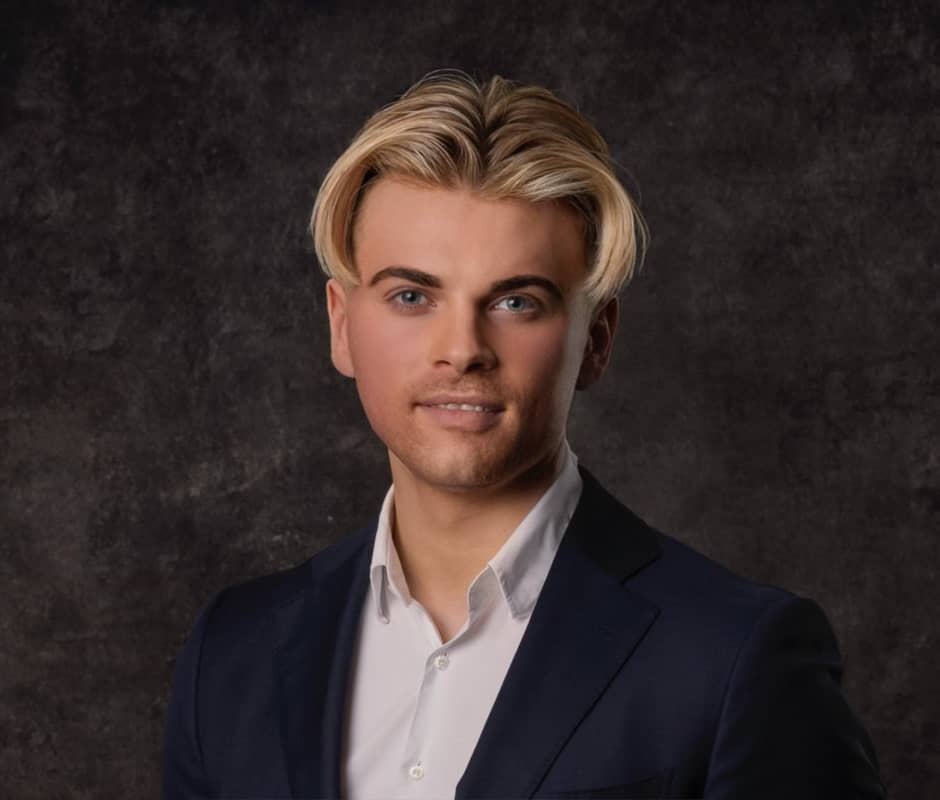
{"points": [[419, 755]]}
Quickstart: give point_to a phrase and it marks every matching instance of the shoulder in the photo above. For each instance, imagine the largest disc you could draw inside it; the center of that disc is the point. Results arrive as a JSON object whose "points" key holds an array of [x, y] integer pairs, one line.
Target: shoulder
{"points": [[747, 638], [248, 606], [751, 668], [699, 601], [659, 567], [684, 575], [693, 590]]}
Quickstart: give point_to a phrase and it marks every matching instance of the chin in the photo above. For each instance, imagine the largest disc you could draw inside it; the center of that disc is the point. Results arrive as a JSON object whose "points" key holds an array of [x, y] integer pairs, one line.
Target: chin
{"points": [[461, 469], [456, 476]]}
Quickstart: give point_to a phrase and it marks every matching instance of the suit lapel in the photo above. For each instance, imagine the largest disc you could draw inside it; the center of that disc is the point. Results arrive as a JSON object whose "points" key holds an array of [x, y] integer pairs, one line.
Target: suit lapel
{"points": [[312, 665], [584, 627]]}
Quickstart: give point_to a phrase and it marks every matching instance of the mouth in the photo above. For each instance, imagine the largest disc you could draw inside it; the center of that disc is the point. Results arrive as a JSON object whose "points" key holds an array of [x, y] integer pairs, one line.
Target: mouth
{"points": [[464, 401], [475, 416], [463, 407]]}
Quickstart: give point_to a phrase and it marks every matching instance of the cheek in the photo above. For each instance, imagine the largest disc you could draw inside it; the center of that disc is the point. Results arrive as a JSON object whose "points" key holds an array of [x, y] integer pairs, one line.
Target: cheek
{"points": [[548, 361], [382, 354]]}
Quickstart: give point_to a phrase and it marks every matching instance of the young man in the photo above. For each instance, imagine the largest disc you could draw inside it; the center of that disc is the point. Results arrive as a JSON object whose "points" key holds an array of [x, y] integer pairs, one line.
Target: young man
{"points": [[504, 628]]}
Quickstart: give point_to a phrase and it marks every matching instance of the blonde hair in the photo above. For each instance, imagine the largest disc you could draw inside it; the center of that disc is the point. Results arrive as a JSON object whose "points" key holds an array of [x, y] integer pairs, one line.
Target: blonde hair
{"points": [[499, 139]]}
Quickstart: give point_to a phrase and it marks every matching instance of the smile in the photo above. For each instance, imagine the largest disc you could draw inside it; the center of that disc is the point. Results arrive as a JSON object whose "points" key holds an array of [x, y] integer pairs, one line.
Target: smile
{"points": [[466, 417]]}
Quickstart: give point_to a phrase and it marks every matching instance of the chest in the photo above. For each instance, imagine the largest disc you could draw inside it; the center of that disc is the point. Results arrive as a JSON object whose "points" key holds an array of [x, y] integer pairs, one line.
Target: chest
{"points": [[417, 704]]}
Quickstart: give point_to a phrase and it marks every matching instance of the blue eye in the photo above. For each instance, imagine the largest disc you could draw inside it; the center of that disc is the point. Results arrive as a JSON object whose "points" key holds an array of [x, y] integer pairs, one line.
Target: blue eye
{"points": [[517, 304], [409, 298]]}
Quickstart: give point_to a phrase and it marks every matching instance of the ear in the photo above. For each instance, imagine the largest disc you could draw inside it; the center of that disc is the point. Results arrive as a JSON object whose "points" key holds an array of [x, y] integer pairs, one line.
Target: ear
{"points": [[336, 306], [599, 343]]}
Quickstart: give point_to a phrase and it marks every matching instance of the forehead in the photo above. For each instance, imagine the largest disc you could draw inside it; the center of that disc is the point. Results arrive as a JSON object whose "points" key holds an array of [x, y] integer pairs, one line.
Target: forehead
{"points": [[457, 232]]}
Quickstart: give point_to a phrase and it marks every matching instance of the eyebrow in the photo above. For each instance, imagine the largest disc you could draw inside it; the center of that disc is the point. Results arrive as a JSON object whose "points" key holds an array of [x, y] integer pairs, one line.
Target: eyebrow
{"points": [[408, 274], [433, 282]]}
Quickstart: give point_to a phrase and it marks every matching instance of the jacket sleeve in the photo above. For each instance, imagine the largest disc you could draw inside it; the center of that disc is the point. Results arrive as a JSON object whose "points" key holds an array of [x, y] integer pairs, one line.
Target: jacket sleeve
{"points": [[183, 772], [785, 729]]}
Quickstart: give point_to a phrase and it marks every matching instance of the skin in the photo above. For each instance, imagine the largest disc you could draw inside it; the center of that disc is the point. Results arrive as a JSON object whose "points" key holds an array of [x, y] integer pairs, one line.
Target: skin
{"points": [[466, 298]]}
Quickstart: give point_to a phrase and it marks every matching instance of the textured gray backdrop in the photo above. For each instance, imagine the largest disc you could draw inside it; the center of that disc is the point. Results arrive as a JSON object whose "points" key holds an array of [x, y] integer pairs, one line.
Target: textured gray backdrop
{"points": [[169, 419]]}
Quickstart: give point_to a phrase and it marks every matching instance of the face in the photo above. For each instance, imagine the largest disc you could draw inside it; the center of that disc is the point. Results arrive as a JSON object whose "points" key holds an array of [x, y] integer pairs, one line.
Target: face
{"points": [[468, 331]]}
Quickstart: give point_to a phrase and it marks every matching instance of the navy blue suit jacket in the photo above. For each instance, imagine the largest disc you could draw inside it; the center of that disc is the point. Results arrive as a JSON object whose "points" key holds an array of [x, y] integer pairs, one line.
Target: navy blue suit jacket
{"points": [[646, 670]]}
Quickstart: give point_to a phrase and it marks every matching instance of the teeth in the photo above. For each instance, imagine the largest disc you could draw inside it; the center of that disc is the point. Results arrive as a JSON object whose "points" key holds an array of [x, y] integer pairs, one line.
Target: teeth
{"points": [[460, 407]]}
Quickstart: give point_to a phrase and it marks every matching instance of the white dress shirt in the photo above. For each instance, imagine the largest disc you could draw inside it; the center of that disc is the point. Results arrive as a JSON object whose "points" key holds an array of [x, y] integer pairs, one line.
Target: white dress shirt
{"points": [[417, 705]]}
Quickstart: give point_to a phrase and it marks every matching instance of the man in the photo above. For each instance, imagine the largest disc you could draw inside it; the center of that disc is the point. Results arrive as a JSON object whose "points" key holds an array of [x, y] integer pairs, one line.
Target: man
{"points": [[504, 628]]}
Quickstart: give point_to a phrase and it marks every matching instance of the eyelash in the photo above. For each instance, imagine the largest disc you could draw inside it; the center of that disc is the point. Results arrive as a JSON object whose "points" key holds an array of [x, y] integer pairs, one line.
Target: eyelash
{"points": [[395, 299]]}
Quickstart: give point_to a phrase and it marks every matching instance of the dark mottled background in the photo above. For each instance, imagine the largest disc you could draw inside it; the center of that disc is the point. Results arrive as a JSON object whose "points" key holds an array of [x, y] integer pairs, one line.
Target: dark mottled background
{"points": [[169, 419]]}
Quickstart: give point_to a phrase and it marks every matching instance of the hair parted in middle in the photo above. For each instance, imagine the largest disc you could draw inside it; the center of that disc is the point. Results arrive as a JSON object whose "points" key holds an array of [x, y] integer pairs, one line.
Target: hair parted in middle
{"points": [[498, 139]]}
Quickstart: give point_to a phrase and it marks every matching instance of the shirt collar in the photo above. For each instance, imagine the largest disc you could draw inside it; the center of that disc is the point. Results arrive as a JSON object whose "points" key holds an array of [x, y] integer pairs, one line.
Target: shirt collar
{"points": [[521, 564]]}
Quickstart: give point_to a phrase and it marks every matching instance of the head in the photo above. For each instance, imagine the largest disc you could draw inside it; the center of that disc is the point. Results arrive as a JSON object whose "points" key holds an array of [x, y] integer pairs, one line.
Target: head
{"points": [[476, 238]]}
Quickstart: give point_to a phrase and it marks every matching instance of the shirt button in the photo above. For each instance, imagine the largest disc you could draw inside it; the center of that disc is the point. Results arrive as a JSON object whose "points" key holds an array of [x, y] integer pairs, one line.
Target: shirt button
{"points": [[416, 772], [441, 661]]}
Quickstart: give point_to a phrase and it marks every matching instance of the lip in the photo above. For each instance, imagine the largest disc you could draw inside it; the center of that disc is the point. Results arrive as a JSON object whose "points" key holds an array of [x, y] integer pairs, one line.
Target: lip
{"points": [[462, 419], [488, 403]]}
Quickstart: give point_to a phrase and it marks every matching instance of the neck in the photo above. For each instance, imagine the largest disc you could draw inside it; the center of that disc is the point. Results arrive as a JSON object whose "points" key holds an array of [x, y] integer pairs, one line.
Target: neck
{"points": [[444, 538]]}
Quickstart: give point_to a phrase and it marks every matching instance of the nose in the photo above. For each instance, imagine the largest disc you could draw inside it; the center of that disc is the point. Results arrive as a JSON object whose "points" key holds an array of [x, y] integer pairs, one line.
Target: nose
{"points": [[460, 341]]}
